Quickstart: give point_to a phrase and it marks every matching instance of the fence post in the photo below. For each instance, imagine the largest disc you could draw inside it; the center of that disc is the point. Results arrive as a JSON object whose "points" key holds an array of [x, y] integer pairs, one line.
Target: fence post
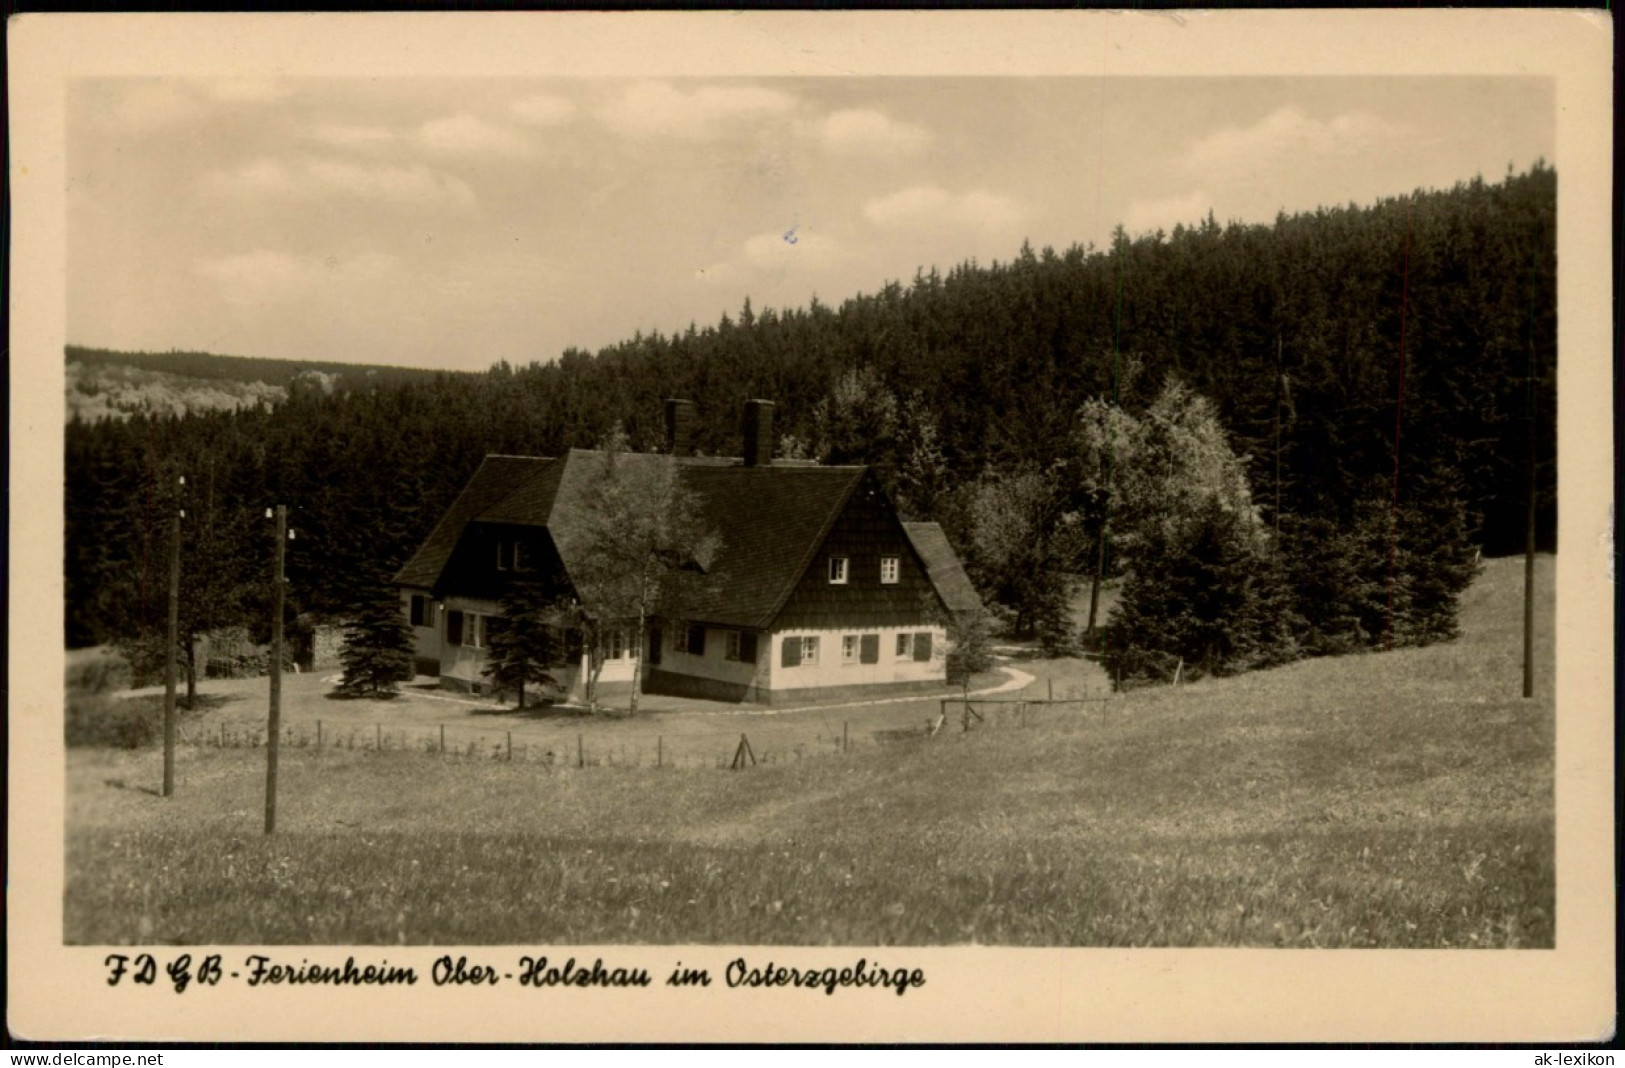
{"points": [[1051, 682], [845, 737], [510, 747], [442, 739], [660, 750], [378, 737], [581, 752], [318, 734]]}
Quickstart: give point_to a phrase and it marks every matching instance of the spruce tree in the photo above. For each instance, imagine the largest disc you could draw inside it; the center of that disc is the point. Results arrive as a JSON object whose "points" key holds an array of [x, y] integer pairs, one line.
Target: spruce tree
{"points": [[526, 643], [377, 653]]}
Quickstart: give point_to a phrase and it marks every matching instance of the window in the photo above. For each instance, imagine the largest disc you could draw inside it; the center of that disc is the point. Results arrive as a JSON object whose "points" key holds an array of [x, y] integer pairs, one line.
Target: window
{"points": [[504, 557], [476, 630], [800, 651], [454, 627], [888, 569], [747, 648], [837, 570], [922, 646], [615, 645], [849, 648], [679, 639], [731, 650], [869, 649], [656, 638], [520, 563], [696, 640], [422, 611], [904, 642]]}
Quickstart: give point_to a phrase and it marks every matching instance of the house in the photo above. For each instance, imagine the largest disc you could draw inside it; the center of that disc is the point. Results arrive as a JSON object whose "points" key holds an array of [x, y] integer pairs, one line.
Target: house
{"points": [[817, 591]]}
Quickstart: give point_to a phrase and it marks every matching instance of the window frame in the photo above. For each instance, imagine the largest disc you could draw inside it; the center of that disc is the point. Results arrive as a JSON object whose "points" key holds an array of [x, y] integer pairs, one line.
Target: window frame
{"points": [[809, 642], [840, 570], [905, 645], [895, 565], [850, 648], [731, 646]]}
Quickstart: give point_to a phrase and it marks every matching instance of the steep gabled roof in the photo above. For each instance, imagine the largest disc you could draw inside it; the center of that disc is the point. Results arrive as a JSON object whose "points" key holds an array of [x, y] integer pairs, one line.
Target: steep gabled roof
{"points": [[942, 565], [496, 478], [770, 521]]}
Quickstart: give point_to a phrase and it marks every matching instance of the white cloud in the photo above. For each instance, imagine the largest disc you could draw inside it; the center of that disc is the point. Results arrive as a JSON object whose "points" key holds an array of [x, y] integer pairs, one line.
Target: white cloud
{"points": [[543, 110], [1288, 138], [265, 276], [1166, 212], [792, 247], [358, 137], [410, 186], [926, 207], [660, 109], [468, 135], [857, 131]]}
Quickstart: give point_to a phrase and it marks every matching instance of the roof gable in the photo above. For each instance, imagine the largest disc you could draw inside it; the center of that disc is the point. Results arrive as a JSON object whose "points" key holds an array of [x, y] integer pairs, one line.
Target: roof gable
{"points": [[943, 567], [495, 479]]}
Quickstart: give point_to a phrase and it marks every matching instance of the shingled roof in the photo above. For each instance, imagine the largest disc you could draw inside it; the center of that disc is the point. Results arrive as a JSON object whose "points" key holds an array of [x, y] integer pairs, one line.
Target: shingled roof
{"points": [[770, 522], [942, 564]]}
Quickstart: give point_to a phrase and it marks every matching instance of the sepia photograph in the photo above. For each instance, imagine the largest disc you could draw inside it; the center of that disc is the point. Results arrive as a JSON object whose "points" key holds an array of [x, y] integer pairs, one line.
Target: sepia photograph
{"points": [[822, 520]]}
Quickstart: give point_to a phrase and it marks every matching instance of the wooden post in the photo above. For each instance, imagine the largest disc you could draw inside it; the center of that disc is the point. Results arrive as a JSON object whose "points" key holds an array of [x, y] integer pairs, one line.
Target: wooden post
{"points": [[1051, 683], [510, 747], [581, 752], [660, 750], [845, 736], [378, 737], [442, 739], [1179, 670], [169, 660], [274, 729], [318, 734]]}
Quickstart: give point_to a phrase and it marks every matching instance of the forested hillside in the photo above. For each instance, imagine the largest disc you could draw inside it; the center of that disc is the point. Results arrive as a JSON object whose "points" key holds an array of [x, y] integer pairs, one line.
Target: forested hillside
{"points": [[1320, 340]]}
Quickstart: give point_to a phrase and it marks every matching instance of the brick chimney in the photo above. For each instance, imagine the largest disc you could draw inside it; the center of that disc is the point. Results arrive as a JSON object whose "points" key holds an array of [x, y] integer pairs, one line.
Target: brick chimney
{"points": [[758, 433], [679, 426]]}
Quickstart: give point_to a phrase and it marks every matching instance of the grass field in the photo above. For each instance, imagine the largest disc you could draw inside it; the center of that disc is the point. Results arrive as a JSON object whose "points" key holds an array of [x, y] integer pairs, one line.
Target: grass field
{"points": [[1397, 799]]}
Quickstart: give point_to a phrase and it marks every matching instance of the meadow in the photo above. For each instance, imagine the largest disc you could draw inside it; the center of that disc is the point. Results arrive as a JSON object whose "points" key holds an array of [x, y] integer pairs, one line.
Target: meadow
{"points": [[1399, 799]]}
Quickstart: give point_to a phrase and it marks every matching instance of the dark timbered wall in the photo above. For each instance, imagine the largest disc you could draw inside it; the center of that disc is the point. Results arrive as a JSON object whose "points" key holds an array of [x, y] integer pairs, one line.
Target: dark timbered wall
{"points": [[472, 569], [866, 530]]}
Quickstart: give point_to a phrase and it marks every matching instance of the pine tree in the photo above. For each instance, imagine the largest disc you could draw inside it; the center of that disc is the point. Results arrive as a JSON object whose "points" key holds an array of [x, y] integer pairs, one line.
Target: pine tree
{"points": [[377, 653], [526, 642]]}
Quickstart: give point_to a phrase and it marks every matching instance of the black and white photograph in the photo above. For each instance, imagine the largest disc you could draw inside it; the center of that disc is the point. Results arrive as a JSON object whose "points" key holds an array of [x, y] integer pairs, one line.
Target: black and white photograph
{"points": [[834, 519]]}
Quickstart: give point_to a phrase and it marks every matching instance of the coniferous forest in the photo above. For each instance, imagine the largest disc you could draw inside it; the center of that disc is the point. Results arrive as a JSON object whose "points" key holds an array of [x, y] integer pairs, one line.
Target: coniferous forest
{"points": [[1381, 371]]}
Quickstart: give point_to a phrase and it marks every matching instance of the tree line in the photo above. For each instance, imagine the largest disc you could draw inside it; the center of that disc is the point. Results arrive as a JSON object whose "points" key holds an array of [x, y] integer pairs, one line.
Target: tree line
{"points": [[1374, 372]]}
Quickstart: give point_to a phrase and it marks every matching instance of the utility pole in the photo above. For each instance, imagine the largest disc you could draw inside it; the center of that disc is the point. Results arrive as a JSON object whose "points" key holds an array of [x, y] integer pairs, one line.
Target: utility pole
{"points": [[173, 636], [1529, 546], [274, 729]]}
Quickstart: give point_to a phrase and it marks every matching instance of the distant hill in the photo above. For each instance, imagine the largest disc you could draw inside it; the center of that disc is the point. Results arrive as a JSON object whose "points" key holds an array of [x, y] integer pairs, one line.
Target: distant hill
{"points": [[106, 384]]}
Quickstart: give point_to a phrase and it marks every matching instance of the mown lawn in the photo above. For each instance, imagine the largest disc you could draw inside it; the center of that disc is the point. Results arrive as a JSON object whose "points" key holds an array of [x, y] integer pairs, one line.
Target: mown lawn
{"points": [[1401, 799]]}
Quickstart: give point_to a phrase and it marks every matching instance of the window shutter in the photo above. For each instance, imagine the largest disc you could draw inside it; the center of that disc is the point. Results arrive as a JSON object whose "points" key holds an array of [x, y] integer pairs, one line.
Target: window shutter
{"points": [[869, 651], [922, 646], [747, 647], [696, 641], [792, 652], [655, 638], [454, 627], [417, 611]]}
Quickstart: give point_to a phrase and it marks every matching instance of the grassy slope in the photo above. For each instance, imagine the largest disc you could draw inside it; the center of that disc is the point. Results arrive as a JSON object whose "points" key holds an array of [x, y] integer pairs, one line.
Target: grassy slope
{"points": [[1402, 799]]}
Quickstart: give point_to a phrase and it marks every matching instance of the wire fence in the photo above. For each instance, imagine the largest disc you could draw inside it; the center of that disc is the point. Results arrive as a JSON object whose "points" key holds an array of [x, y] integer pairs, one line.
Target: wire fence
{"points": [[587, 749]]}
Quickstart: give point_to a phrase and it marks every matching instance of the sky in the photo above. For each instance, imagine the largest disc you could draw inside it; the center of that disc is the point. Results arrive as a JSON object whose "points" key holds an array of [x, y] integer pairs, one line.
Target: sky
{"points": [[455, 223]]}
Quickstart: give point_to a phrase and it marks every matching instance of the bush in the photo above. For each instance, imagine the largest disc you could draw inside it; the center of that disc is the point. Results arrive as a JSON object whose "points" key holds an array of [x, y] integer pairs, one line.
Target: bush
{"points": [[970, 650], [96, 716]]}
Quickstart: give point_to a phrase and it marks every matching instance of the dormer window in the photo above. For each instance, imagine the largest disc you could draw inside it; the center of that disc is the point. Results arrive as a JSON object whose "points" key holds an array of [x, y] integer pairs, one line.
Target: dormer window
{"points": [[888, 569], [521, 559], [837, 570]]}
